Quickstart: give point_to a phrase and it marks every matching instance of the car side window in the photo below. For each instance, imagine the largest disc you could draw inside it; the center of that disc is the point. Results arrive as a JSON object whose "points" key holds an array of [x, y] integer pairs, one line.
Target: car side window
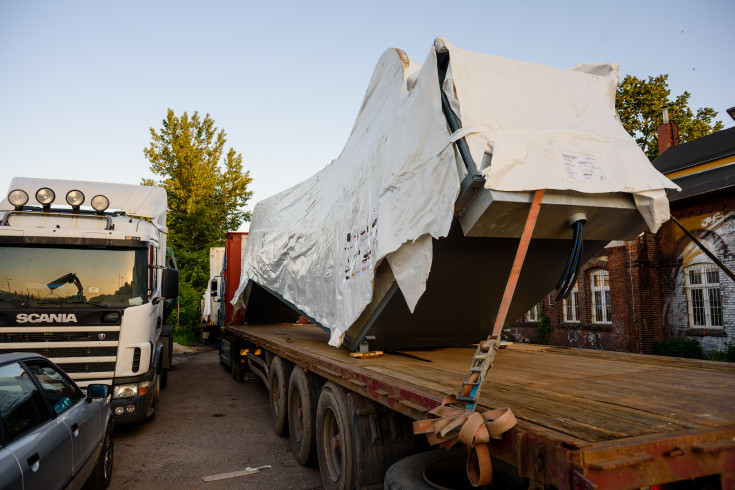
{"points": [[21, 404], [61, 393]]}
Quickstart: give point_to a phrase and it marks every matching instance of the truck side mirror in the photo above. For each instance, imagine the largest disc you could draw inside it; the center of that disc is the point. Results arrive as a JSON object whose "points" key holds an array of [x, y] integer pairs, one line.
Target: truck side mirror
{"points": [[213, 287], [170, 283]]}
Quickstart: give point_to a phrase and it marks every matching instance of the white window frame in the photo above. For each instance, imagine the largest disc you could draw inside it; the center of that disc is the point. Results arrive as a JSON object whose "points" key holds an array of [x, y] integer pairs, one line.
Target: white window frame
{"points": [[601, 301], [571, 304], [532, 315], [705, 295]]}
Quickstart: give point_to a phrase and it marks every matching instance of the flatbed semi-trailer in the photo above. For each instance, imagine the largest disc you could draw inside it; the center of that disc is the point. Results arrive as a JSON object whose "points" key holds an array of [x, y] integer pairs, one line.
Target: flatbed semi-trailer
{"points": [[586, 419]]}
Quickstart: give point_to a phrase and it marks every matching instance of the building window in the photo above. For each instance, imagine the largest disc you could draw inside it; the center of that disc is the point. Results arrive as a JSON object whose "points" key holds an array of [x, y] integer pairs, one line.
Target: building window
{"points": [[704, 296], [601, 311], [533, 314], [571, 306]]}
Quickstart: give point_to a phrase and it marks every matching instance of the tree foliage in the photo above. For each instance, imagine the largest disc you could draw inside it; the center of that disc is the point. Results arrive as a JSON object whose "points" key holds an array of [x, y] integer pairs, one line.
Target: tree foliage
{"points": [[206, 188], [640, 106]]}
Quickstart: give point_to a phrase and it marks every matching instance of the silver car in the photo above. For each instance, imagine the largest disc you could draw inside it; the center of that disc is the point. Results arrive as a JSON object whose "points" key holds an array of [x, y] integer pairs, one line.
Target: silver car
{"points": [[52, 435]]}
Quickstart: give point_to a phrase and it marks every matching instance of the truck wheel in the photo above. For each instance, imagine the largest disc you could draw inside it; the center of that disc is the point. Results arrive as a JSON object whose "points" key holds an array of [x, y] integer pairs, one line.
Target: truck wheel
{"points": [[169, 352], [334, 442], [303, 395], [433, 469], [278, 388], [155, 395], [102, 472]]}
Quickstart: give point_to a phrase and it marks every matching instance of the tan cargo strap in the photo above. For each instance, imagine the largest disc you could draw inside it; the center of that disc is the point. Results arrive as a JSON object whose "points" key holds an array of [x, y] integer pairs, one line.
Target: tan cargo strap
{"points": [[447, 425]]}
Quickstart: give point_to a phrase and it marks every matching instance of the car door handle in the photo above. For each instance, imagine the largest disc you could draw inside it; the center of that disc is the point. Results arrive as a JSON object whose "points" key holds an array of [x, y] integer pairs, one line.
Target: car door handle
{"points": [[34, 462], [75, 429]]}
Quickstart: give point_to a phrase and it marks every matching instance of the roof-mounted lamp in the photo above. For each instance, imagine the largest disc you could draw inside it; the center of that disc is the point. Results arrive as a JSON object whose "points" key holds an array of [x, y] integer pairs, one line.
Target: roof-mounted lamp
{"points": [[45, 197], [18, 198], [75, 199], [100, 203]]}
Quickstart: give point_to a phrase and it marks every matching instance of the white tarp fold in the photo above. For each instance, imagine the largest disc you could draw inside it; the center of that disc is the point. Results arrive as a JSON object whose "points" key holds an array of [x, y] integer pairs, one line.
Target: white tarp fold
{"points": [[394, 185]]}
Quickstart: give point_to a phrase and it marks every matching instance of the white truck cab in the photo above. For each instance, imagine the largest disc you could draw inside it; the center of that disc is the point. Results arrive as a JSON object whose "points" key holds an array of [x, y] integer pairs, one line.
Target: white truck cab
{"points": [[84, 282]]}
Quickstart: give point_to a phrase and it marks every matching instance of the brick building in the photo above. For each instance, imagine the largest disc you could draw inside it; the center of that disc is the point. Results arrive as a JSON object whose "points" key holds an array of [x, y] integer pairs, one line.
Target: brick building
{"points": [[659, 286]]}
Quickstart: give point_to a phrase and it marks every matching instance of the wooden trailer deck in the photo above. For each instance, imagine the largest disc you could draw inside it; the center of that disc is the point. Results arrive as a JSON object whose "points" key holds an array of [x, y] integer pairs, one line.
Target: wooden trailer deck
{"points": [[585, 417]]}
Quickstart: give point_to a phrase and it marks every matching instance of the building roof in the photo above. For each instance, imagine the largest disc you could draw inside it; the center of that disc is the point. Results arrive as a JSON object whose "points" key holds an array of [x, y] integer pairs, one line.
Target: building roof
{"points": [[704, 152], [706, 149]]}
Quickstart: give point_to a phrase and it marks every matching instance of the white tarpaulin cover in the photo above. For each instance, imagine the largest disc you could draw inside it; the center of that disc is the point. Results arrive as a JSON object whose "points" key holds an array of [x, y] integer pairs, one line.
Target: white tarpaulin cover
{"points": [[394, 185]]}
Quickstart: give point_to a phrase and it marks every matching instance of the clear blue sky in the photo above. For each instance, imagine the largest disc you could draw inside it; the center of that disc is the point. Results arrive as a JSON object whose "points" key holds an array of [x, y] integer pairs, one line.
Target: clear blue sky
{"points": [[81, 83]]}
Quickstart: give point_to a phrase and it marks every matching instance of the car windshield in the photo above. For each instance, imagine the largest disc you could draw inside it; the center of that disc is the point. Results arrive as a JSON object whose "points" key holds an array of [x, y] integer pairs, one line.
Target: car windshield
{"points": [[57, 276]]}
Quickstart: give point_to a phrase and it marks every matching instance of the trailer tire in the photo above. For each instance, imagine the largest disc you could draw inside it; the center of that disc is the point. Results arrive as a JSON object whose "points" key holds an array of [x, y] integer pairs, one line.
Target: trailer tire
{"points": [[412, 472], [335, 447], [303, 396], [236, 369], [278, 390]]}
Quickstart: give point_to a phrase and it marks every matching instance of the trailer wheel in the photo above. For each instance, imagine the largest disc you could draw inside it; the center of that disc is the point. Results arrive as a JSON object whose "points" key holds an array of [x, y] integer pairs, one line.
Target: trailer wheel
{"points": [[278, 388], [438, 468], [235, 366], [303, 395], [334, 439]]}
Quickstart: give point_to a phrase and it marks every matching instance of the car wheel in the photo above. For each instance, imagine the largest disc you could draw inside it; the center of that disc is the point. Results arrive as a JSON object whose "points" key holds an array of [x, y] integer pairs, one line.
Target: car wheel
{"points": [[102, 472]]}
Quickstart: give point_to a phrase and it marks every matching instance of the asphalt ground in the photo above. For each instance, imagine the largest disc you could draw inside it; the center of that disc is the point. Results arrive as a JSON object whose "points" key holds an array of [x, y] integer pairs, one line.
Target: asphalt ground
{"points": [[207, 424]]}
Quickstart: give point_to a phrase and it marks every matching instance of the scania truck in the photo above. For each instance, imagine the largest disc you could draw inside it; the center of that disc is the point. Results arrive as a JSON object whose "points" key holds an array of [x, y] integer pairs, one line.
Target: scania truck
{"points": [[85, 280]]}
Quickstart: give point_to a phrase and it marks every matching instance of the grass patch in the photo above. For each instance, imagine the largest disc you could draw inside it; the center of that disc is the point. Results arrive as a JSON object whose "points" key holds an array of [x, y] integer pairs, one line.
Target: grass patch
{"points": [[184, 336], [728, 355], [689, 349]]}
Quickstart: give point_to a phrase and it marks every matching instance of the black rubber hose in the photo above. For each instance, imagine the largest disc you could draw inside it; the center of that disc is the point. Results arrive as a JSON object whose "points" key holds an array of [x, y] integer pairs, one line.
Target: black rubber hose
{"points": [[579, 261], [576, 261], [455, 124], [568, 267]]}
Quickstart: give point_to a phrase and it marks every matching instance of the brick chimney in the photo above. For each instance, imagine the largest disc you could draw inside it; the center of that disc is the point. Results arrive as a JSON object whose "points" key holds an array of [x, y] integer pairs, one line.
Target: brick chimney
{"points": [[668, 133]]}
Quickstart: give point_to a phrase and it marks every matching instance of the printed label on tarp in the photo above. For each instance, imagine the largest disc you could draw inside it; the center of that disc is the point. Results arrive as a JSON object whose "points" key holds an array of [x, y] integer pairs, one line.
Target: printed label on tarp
{"points": [[358, 247], [582, 167]]}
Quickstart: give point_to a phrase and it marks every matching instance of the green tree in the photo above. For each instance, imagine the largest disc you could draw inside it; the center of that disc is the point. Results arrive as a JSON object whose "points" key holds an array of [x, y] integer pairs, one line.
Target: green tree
{"points": [[206, 188], [640, 106]]}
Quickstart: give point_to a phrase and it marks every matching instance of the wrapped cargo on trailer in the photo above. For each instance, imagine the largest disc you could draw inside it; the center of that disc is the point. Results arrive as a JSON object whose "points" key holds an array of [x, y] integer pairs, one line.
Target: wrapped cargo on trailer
{"points": [[461, 185], [430, 195]]}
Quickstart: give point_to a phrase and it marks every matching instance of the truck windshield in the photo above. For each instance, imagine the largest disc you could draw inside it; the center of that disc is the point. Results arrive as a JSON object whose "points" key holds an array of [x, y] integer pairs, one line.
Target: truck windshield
{"points": [[54, 276]]}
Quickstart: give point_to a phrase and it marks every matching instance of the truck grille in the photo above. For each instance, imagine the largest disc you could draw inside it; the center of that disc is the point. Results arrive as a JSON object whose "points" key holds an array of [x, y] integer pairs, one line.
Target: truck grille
{"points": [[93, 336], [86, 352], [62, 352]]}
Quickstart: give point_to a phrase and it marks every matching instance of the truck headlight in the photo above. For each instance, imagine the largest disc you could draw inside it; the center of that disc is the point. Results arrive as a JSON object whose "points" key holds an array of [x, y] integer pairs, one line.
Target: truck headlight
{"points": [[125, 391]]}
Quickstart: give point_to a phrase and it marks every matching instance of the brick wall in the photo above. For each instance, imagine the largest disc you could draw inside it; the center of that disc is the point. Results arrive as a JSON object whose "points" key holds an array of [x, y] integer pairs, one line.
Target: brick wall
{"points": [[712, 221], [647, 286]]}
